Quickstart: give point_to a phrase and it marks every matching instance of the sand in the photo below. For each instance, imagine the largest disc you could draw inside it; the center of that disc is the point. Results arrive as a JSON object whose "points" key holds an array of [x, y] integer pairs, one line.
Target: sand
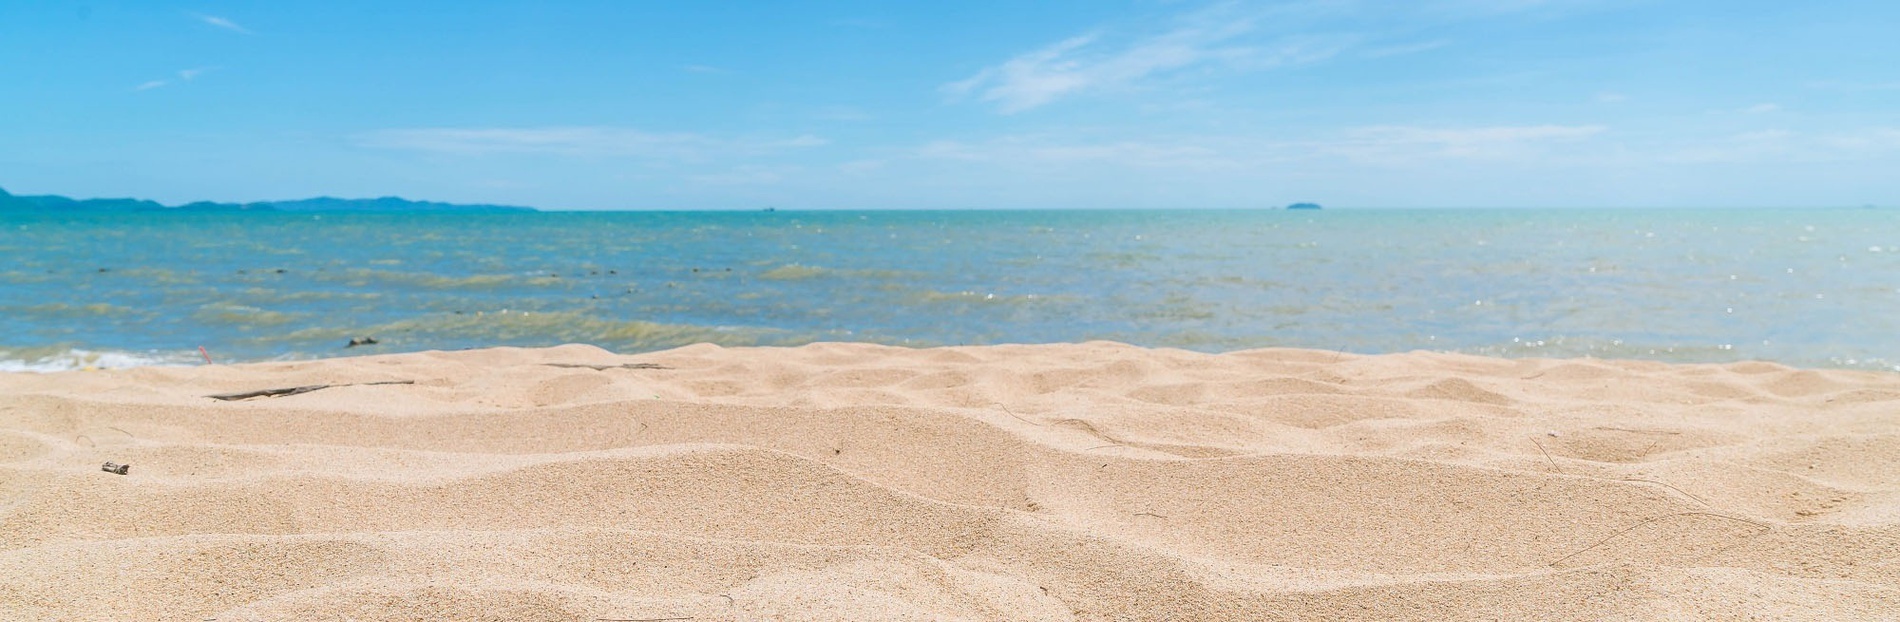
{"points": [[1092, 481]]}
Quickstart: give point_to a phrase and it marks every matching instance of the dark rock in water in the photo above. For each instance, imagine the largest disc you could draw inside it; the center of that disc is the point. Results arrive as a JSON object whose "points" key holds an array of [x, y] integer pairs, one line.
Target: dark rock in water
{"points": [[361, 341], [1303, 206]]}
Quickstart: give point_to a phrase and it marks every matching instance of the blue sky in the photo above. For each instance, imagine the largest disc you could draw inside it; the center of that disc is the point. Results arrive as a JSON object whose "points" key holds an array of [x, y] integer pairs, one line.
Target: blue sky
{"points": [[731, 105]]}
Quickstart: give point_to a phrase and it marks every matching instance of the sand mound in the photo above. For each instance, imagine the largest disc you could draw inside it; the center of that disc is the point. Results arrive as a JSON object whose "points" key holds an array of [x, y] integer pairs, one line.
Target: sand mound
{"points": [[851, 482]]}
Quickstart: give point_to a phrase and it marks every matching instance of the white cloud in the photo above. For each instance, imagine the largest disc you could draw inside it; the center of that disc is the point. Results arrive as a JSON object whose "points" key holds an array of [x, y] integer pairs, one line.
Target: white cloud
{"points": [[742, 176], [1379, 145], [1396, 144], [1854, 86], [861, 167], [223, 23], [1760, 109], [860, 22], [1088, 62], [593, 141], [1405, 49], [1024, 150], [184, 75], [1875, 138]]}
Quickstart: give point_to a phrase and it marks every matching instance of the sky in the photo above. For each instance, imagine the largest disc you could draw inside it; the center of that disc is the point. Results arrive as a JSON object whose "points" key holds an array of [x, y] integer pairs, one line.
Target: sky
{"points": [[952, 105]]}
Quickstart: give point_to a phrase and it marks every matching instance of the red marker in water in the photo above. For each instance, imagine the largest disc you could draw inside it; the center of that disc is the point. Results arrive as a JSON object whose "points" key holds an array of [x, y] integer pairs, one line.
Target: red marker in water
{"points": [[207, 355]]}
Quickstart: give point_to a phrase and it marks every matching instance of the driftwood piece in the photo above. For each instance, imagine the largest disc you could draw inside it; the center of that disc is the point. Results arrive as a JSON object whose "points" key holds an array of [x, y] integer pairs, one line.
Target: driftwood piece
{"points": [[245, 395], [114, 467], [607, 367]]}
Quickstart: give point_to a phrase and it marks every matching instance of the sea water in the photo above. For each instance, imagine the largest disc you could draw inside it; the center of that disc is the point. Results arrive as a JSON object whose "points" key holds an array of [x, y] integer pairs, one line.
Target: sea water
{"points": [[1806, 287]]}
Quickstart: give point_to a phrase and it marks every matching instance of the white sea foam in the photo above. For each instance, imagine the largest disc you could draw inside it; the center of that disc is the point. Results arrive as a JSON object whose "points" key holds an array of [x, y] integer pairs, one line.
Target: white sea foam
{"points": [[72, 359]]}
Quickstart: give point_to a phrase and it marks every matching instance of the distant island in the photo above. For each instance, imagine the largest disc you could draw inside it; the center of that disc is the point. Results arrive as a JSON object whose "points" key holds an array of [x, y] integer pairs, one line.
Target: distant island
{"points": [[1303, 206], [53, 202]]}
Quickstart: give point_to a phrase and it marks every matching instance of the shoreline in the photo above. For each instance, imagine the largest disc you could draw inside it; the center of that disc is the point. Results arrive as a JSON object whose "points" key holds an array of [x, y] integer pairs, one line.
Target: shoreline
{"points": [[852, 481]]}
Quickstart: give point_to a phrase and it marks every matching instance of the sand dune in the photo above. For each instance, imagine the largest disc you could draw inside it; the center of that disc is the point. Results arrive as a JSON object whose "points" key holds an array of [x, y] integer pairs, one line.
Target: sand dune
{"points": [[856, 482]]}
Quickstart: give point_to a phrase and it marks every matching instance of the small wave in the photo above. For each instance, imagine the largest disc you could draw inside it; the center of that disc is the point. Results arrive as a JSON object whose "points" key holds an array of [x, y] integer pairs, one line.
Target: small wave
{"points": [[225, 313], [536, 328], [798, 272], [96, 309], [361, 277], [793, 272], [54, 359]]}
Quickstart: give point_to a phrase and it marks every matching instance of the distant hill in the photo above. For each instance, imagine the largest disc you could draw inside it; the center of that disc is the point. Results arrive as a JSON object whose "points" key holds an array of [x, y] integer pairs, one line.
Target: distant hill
{"points": [[55, 202]]}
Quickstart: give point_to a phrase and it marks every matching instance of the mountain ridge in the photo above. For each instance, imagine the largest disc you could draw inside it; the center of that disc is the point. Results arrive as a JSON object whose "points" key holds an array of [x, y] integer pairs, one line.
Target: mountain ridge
{"points": [[49, 202]]}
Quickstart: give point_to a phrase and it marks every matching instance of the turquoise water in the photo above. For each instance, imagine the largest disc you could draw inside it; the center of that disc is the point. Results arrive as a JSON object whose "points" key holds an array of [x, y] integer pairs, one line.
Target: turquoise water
{"points": [[1816, 288]]}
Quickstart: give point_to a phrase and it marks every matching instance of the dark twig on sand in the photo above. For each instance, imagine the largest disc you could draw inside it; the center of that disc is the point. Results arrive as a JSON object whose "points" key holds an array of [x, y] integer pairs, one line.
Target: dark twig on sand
{"points": [[1553, 462], [607, 367], [1019, 417], [1685, 493], [245, 395], [1764, 529], [1635, 431]]}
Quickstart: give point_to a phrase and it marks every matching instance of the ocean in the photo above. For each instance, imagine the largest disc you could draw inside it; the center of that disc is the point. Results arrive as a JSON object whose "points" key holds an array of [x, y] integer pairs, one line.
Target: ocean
{"points": [[1804, 287]]}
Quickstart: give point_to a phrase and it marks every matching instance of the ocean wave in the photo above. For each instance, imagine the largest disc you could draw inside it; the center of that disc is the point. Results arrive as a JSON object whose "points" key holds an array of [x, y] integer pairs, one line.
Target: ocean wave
{"points": [[55, 359], [509, 327]]}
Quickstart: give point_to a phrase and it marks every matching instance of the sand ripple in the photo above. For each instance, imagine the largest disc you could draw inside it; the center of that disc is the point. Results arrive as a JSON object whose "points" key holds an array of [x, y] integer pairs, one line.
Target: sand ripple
{"points": [[850, 482]]}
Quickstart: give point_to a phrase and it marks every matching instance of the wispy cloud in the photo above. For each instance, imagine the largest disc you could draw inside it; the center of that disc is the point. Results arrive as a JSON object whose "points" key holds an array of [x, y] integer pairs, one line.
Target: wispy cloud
{"points": [[184, 75], [1837, 85], [223, 23], [1780, 145], [1044, 150], [584, 141], [1404, 49], [1376, 145], [1093, 62], [1761, 109], [860, 22], [742, 176], [1396, 144]]}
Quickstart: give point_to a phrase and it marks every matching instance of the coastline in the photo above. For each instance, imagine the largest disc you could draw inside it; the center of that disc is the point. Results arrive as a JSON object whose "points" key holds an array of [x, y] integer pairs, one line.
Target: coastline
{"points": [[853, 481]]}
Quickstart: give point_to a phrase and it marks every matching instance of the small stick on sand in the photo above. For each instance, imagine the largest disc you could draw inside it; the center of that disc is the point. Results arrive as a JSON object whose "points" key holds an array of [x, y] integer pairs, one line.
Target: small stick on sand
{"points": [[1018, 417], [245, 395], [1685, 493], [1764, 529], [1634, 431], [1553, 463], [607, 367]]}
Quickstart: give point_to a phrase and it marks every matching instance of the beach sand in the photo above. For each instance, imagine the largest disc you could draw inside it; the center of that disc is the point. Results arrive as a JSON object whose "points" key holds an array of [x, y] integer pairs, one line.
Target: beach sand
{"points": [[1093, 481]]}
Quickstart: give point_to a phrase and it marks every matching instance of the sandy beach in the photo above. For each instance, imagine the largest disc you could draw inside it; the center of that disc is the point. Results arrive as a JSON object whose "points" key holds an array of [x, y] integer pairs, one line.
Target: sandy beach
{"points": [[1093, 481]]}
